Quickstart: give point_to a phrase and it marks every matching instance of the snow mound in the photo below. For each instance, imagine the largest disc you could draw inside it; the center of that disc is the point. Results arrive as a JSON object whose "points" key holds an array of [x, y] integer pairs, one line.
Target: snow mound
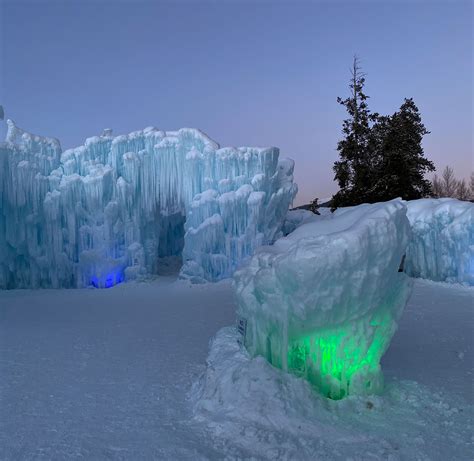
{"points": [[110, 209], [442, 244], [324, 302], [252, 409]]}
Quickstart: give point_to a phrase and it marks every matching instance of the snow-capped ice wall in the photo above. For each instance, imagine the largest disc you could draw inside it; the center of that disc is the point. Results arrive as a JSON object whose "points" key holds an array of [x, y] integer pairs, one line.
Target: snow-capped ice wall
{"points": [[323, 302], [442, 244], [110, 209]]}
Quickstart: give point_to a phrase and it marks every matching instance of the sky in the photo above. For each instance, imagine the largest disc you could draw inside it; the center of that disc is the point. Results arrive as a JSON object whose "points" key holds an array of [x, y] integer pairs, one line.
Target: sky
{"points": [[247, 73]]}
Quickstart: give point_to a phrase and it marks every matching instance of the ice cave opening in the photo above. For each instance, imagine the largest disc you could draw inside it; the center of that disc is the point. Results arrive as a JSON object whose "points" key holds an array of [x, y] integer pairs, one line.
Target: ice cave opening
{"points": [[165, 260], [124, 207]]}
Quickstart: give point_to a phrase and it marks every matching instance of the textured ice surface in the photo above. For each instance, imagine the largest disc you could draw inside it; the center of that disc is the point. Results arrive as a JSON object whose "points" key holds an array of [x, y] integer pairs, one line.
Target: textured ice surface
{"points": [[442, 244], [324, 302], [110, 209]]}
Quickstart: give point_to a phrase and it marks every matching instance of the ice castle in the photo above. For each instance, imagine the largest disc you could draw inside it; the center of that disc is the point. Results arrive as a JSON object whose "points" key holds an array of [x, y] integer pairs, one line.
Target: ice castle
{"points": [[111, 209]]}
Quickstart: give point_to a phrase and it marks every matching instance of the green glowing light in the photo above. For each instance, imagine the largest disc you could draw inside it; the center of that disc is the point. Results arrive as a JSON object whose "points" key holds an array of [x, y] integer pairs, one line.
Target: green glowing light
{"points": [[342, 360]]}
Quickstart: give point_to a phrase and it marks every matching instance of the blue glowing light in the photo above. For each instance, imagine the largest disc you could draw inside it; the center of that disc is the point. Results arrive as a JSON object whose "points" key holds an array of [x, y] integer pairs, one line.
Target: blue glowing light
{"points": [[109, 280]]}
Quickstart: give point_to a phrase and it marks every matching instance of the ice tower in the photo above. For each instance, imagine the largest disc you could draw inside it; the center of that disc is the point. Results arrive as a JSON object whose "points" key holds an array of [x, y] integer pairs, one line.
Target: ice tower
{"points": [[442, 245], [323, 303], [110, 209]]}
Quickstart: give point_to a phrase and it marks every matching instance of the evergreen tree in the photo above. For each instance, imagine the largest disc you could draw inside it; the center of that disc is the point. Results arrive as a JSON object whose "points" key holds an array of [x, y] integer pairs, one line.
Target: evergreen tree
{"points": [[403, 165], [380, 157], [353, 170]]}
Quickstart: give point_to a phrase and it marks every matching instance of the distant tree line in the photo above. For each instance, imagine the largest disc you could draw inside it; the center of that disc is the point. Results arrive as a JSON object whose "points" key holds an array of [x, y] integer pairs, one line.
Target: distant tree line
{"points": [[448, 186], [380, 156]]}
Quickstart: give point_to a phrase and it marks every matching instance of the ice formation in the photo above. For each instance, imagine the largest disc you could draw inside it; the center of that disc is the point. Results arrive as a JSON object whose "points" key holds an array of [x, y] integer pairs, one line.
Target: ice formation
{"points": [[442, 243], [110, 209], [260, 412], [324, 301]]}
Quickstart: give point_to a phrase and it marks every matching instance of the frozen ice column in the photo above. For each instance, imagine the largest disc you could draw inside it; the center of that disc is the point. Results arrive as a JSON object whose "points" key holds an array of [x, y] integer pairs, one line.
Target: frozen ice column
{"points": [[224, 226], [323, 303], [442, 243]]}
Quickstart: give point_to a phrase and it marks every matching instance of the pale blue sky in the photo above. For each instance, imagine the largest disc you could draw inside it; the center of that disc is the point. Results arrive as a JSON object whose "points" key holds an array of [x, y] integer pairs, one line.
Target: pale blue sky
{"points": [[246, 73]]}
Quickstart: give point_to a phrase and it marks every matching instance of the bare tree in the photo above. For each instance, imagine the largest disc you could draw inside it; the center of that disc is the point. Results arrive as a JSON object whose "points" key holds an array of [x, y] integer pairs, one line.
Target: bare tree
{"points": [[449, 182], [462, 191], [449, 186], [437, 186]]}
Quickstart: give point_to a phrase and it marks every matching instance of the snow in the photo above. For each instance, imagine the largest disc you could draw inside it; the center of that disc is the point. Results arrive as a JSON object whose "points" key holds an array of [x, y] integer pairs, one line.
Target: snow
{"points": [[120, 374], [75, 218], [103, 374], [324, 301], [442, 245]]}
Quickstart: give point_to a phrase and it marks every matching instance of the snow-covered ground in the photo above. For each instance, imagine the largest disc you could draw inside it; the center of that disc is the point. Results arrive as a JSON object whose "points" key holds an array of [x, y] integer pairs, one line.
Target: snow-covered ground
{"points": [[121, 374]]}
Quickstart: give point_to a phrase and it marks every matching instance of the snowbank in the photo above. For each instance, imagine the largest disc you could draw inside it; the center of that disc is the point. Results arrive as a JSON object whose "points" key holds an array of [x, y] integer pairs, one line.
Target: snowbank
{"points": [[108, 210], [323, 302], [254, 410], [442, 244]]}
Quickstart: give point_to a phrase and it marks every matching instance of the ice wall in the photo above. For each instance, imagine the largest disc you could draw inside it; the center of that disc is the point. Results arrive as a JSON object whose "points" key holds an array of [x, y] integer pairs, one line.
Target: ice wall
{"points": [[442, 244], [323, 302], [110, 209]]}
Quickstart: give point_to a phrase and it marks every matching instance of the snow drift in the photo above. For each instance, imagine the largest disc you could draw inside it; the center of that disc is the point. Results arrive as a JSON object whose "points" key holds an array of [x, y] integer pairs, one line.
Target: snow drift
{"points": [[323, 302], [255, 411], [442, 243], [110, 209]]}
